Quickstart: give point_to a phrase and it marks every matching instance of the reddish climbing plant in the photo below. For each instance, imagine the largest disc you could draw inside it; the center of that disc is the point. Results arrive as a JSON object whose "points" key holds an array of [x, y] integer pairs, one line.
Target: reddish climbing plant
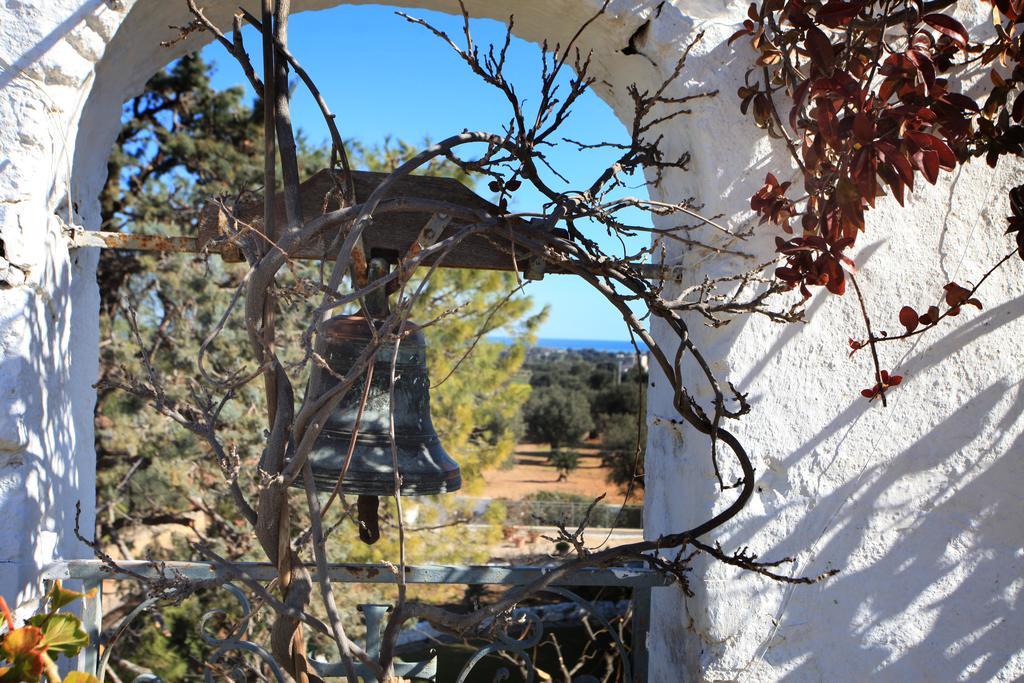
{"points": [[870, 110]]}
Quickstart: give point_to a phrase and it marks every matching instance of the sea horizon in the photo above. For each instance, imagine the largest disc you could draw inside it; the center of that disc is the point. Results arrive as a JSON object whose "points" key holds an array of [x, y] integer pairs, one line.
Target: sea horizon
{"points": [[565, 344]]}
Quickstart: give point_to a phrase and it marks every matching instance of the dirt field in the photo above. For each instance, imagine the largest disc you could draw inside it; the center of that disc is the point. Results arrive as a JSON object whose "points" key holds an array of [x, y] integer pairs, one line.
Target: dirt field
{"points": [[534, 473]]}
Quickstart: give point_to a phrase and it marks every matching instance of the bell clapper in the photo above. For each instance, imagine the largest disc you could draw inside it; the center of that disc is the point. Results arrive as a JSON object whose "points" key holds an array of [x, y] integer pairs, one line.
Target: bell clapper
{"points": [[369, 521]]}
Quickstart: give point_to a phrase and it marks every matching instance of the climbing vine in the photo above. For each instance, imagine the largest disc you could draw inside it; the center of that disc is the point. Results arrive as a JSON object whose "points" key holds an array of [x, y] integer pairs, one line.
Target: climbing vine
{"points": [[872, 98]]}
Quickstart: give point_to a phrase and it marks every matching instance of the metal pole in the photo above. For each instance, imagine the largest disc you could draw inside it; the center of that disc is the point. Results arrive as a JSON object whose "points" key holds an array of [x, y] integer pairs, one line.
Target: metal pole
{"points": [[92, 622], [641, 627]]}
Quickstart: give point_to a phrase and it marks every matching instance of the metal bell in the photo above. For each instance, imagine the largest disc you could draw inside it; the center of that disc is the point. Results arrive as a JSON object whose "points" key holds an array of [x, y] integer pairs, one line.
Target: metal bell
{"points": [[424, 465]]}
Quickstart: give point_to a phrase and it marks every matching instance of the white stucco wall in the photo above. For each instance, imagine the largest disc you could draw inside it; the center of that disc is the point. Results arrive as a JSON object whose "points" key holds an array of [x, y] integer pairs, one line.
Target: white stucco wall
{"points": [[917, 504]]}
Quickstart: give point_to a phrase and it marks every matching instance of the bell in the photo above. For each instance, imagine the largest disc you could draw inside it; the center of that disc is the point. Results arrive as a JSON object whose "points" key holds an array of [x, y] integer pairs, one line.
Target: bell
{"points": [[423, 464]]}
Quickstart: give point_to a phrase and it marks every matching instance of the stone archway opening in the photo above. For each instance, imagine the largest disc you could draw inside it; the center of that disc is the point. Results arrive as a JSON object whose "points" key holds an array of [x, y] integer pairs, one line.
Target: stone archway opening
{"points": [[116, 81], [380, 102], [129, 62], [133, 54], [97, 108]]}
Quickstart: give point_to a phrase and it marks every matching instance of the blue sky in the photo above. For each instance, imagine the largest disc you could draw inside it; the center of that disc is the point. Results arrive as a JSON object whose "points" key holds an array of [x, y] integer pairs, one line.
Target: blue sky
{"points": [[383, 76]]}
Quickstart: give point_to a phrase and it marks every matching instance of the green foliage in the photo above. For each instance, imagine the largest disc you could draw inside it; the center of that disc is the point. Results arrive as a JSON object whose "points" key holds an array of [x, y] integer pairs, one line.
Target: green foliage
{"points": [[558, 497], [168, 642], [571, 509], [615, 397], [564, 461], [619, 440], [618, 399], [558, 416], [27, 652]]}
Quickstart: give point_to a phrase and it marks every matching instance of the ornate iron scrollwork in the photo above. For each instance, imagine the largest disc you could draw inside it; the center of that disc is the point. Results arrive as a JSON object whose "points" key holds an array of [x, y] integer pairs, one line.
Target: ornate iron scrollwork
{"points": [[235, 641], [529, 634]]}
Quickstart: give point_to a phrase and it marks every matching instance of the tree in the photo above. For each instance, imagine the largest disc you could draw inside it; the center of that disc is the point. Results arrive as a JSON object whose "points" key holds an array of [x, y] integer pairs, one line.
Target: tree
{"points": [[624, 442], [565, 462], [557, 416], [180, 142]]}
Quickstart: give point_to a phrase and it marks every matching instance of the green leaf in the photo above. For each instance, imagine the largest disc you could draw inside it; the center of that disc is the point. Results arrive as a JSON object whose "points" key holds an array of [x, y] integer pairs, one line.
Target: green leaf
{"points": [[62, 633], [60, 596]]}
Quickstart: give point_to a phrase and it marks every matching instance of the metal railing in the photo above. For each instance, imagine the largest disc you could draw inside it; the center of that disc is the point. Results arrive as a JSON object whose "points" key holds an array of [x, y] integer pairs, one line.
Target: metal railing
{"points": [[514, 639]]}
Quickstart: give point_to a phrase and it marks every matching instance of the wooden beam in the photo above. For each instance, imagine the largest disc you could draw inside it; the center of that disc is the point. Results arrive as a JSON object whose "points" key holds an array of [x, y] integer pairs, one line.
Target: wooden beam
{"points": [[390, 234]]}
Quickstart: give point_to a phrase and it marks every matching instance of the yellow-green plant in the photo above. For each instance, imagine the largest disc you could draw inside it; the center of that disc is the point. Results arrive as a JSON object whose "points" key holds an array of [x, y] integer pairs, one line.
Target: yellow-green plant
{"points": [[27, 653]]}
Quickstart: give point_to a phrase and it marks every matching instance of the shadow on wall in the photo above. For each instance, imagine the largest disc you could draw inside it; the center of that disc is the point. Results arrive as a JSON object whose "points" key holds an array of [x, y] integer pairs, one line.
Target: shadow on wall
{"points": [[48, 325], [50, 341], [39, 50], [954, 560], [928, 543]]}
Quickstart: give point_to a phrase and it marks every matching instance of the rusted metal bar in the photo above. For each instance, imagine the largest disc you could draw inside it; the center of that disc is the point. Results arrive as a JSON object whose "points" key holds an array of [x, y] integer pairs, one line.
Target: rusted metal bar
{"points": [[80, 237]]}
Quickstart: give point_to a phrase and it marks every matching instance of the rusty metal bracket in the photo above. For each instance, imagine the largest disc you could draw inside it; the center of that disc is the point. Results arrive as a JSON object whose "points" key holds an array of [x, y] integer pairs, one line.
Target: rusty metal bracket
{"points": [[428, 235], [79, 238]]}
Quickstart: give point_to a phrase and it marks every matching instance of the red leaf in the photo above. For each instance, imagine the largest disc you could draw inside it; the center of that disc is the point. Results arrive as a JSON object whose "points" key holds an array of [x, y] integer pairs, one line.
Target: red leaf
{"points": [[949, 26], [923, 61], [849, 199], [762, 110], [946, 157], [748, 29], [887, 382], [863, 128], [897, 190], [903, 167], [956, 295], [787, 275], [962, 101], [931, 317], [819, 48], [836, 277], [1018, 108], [909, 318], [836, 13], [799, 93], [927, 161]]}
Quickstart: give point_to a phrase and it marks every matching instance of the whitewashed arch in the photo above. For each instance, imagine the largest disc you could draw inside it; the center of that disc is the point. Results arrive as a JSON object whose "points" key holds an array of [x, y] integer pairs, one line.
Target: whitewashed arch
{"points": [[918, 505]]}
